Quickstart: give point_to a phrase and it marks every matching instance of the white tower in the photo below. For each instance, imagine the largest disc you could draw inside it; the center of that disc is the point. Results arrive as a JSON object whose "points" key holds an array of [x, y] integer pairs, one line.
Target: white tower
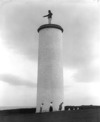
{"points": [[50, 67]]}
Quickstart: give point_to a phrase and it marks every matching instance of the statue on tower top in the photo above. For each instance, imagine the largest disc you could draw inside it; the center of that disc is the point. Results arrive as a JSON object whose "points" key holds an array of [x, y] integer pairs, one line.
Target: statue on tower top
{"points": [[49, 15]]}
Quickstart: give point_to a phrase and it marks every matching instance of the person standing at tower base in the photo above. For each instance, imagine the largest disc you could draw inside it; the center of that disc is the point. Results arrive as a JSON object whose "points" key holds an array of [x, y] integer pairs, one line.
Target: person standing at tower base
{"points": [[60, 106], [51, 107], [41, 108]]}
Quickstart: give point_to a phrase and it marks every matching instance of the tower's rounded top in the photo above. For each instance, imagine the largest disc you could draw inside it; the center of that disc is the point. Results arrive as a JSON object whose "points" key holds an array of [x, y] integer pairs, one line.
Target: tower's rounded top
{"points": [[50, 26]]}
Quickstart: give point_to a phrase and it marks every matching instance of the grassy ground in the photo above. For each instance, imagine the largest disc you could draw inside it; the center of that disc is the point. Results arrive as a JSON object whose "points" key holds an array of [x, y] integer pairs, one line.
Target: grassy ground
{"points": [[92, 115]]}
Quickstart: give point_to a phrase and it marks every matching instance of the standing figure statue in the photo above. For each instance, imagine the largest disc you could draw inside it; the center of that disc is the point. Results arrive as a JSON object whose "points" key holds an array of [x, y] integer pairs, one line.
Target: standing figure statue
{"points": [[49, 16]]}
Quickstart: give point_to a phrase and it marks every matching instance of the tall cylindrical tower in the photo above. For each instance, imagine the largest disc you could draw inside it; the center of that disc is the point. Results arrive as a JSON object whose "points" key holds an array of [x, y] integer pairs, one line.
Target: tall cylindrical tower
{"points": [[50, 67]]}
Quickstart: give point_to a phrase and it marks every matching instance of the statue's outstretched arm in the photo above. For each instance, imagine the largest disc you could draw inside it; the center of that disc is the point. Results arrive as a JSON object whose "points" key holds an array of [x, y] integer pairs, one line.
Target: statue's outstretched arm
{"points": [[45, 16]]}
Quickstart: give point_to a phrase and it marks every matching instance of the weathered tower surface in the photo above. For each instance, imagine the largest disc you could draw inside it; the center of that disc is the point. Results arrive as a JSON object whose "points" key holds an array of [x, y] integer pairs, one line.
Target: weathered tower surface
{"points": [[50, 67]]}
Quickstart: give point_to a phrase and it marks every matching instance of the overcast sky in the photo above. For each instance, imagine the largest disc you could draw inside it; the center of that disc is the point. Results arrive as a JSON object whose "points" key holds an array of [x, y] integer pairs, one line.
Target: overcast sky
{"points": [[19, 21]]}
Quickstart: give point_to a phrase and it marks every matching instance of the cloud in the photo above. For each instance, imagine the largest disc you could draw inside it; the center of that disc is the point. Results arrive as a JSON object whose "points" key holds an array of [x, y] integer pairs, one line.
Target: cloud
{"points": [[88, 74], [17, 96], [20, 29], [80, 25], [78, 36], [14, 80], [22, 20], [82, 42]]}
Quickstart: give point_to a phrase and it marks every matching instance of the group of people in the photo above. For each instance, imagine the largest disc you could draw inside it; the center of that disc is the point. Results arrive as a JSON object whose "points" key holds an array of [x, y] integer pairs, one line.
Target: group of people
{"points": [[51, 107]]}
